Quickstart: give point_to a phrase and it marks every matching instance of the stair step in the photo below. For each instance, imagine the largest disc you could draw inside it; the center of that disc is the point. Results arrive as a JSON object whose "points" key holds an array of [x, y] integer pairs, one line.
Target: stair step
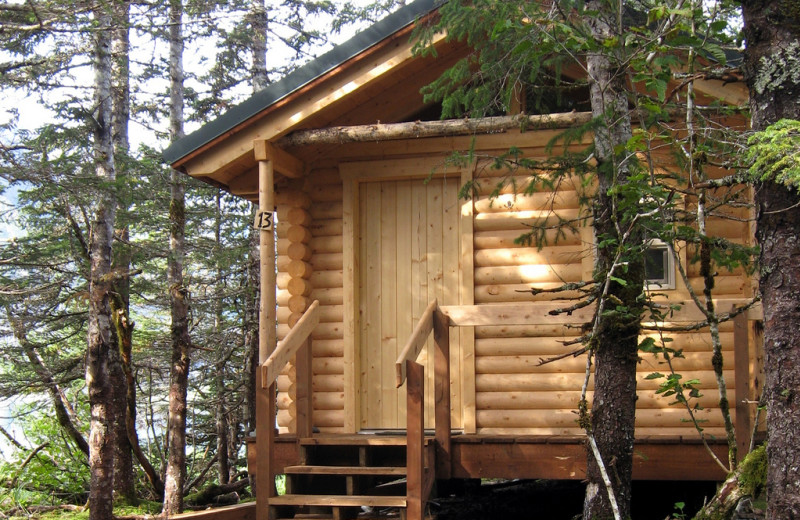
{"points": [[338, 500], [345, 470], [359, 440], [311, 516], [355, 440]]}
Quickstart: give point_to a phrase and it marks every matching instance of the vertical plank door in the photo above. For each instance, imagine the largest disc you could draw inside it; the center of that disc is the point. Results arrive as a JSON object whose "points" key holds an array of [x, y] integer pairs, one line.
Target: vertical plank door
{"points": [[408, 254]]}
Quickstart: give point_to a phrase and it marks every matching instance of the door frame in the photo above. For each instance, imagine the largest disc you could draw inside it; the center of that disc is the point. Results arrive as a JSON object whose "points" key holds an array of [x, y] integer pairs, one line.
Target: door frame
{"points": [[353, 174]]}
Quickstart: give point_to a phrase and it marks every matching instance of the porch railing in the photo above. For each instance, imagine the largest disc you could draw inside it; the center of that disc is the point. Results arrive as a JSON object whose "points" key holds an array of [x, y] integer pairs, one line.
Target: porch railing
{"points": [[419, 479], [296, 343], [438, 320]]}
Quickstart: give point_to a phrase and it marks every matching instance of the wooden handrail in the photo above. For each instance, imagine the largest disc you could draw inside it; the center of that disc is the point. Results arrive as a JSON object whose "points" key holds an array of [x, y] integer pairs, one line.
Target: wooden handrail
{"points": [[416, 342], [287, 348], [538, 313], [438, 320], [433, 320]]}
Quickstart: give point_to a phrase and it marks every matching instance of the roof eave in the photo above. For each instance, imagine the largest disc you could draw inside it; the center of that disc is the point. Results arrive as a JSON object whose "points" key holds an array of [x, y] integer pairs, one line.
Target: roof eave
{"points": [[238, 116]]}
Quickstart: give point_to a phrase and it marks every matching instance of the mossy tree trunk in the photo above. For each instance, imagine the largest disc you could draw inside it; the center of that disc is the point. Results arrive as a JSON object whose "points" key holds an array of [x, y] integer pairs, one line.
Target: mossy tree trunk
{"points": [[772, 70], [124, 482]]}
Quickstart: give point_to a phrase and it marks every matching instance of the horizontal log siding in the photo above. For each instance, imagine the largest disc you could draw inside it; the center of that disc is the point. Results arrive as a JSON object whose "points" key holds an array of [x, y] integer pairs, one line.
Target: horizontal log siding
{"points": [[319, 229], [515, 394], [286, 380], [324, 186]]}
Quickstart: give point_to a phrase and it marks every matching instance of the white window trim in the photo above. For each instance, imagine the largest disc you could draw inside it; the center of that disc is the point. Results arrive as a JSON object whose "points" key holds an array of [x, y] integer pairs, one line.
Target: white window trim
{"points": [[668, 282]]}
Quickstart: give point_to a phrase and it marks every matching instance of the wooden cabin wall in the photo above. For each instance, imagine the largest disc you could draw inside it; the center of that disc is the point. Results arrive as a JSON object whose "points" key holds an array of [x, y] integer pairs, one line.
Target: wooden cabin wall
{"points": [[310, 268], [515, 394], [324, 187]]}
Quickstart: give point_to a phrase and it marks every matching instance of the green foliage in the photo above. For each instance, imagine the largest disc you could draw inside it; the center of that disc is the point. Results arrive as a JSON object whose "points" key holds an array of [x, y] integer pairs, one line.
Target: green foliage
{"points": [[503, 38], [47, 176], [773, 154], [633, 195], [56, 473]]}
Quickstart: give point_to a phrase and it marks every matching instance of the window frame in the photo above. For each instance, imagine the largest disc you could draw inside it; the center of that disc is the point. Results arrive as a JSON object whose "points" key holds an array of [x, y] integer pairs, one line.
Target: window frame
{"points": [[668, 282]]}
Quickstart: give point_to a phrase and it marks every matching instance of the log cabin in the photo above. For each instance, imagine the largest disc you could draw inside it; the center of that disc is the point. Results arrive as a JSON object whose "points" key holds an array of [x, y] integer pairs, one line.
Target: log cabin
{"points": [[400, 342]]}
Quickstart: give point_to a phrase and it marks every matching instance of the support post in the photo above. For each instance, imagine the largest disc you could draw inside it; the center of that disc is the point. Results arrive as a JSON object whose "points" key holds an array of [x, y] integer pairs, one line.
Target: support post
{"points": [[265, 439], [415, 440], [741, 361], [266, 208], [303, 392], [441, 371], [265, 398]]}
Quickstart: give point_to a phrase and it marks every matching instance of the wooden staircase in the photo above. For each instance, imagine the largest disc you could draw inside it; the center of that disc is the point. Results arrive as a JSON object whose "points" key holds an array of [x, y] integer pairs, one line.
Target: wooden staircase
{"points": [[341, 476], [362, 476]]}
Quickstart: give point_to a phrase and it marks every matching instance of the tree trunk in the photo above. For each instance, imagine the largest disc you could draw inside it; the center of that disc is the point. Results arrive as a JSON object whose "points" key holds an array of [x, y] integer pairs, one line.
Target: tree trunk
{"points": [[223, 459], [124, 483], [251, 326], [208, 494], [258, 46], [615, 343], [101, 334], [179, 294], [745, 482], [772, 72]]}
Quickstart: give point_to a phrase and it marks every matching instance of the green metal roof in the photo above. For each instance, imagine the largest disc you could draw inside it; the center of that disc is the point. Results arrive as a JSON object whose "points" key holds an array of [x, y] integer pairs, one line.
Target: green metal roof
{"points": [[299, 78]]}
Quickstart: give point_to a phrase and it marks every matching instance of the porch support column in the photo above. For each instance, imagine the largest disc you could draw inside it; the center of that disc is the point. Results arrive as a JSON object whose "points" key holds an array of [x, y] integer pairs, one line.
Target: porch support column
{"points": [[265, 400]]}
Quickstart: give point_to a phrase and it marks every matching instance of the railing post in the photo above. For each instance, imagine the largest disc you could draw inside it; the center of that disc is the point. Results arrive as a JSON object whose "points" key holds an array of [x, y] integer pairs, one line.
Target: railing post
{"points": [[741, 362], [415, 440], [265, 439], [441, 371], [303, 390]]}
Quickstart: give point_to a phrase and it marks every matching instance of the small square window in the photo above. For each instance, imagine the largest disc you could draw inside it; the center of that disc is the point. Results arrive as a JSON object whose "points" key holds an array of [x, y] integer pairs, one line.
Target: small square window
{"points": [[659, 266]]}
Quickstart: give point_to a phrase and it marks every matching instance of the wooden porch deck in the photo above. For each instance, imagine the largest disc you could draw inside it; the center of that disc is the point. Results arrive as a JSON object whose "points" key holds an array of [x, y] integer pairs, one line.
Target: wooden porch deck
{"points": [[533, 457]]}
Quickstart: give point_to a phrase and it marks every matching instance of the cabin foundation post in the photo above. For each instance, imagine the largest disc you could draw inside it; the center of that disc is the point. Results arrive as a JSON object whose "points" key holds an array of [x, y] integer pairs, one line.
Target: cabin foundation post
{"points": [[265, 401]]}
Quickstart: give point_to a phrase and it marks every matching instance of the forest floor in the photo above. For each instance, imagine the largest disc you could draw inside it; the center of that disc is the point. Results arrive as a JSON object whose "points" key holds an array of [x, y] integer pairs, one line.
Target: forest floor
{"points": [[519, 500]]}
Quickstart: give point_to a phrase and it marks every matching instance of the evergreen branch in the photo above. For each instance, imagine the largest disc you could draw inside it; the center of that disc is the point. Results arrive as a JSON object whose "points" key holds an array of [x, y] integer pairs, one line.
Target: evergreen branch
{"points": [[10, 438], [580, 305], [28, 459], [723, 182], [721, 317]]}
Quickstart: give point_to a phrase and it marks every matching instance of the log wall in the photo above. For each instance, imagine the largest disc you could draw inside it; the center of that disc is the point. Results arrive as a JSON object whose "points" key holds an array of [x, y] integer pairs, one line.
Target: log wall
{"points": [[513, 393], [310, 268]]}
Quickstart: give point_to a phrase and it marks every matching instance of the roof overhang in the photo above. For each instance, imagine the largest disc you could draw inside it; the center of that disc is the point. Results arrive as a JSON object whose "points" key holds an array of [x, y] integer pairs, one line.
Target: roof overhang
{"points": [[370, 52]]}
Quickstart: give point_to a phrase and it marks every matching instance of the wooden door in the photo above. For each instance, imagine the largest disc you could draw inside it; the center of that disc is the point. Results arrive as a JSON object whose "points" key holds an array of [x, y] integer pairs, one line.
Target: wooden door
{"points": [[409, 252]]}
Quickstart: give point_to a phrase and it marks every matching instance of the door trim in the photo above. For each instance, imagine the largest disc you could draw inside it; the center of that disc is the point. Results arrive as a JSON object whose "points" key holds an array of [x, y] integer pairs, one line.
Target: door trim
{"points": [[353, 174]]}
